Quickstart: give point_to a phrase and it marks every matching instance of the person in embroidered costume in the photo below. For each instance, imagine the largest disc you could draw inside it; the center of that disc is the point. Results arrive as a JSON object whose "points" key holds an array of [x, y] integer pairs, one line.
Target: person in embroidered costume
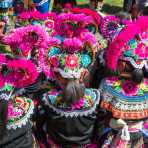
{"points": [[15, 110], [125, 94], [68, 104]]}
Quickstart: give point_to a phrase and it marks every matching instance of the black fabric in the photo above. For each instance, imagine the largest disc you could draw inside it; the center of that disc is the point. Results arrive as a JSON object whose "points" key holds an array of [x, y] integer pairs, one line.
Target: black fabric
{"points": [[19, 138], [70, 130]]}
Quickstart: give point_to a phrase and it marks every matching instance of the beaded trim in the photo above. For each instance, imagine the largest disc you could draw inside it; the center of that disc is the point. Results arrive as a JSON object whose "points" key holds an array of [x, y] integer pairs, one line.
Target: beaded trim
{"points": [[76, 112], [19, 113], [121, 106]]}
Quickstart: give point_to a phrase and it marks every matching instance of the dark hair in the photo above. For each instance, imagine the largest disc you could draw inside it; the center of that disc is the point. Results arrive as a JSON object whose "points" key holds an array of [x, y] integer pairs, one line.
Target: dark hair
{"points": [[3, 117], [73, 91], [146, 72], [123, 15], [137, 75], [145, 11]]}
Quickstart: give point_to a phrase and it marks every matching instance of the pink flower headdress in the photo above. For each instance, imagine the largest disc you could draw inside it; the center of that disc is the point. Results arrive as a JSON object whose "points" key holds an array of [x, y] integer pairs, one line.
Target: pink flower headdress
{"points": [[67, 54], [130, 44], [21, 72], [26, 38], [72, 45], [2, 59], [67, 23], [44, 54], [89, 12]]}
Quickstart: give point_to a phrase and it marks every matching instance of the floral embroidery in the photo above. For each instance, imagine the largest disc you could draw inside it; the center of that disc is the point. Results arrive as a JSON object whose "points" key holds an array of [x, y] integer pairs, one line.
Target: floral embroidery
{"points": [[86, 60], [123, 99], [137, 49], [71, 61], [127, 87], [55, 98], [18, 112]]}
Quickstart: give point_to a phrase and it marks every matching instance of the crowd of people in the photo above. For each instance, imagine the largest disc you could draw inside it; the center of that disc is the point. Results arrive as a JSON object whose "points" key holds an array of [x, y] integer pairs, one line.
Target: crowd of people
{"points": [[73, 78]]}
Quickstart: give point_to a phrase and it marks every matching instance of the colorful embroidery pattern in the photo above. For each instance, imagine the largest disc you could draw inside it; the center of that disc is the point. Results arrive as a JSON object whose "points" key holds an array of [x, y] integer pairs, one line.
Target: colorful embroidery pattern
{"points": [[19, 111], [125, 100], [56, 98], [127, 87], [137, 48]]}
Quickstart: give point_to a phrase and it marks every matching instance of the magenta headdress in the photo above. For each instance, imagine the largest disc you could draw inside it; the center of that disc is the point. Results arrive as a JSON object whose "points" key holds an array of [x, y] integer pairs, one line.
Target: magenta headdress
{"points": [[2, 59], [88, 12], [46, 20], [77, 53], [87, 37], [131, 44], [67, 24], [44, 54], [72, 45], [36, 15], [21, 72], [109, 26], [24, 39]]}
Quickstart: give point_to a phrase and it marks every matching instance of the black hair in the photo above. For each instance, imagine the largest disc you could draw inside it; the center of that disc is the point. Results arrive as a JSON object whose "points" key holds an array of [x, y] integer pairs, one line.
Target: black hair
{"points": [[3, 117], [145, 72], [137, 75], [73, 91], [145, 11]]}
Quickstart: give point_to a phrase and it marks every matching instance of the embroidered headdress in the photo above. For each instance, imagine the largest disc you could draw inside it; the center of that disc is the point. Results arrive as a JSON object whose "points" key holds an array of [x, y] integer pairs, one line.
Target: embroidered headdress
{"points": [[68, 58], [96, 17], [71, 25], [25, 39], [109, 26], [16, 74], [46, 20], [131, 44]]}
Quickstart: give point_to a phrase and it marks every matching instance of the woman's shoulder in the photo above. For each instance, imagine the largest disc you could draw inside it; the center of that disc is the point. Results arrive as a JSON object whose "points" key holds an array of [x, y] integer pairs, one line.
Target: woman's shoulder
{"points": [[19, 112]]}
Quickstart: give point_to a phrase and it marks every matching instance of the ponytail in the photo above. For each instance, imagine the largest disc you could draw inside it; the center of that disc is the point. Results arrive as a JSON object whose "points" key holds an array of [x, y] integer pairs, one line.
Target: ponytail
{"points": [[73, 91]]}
